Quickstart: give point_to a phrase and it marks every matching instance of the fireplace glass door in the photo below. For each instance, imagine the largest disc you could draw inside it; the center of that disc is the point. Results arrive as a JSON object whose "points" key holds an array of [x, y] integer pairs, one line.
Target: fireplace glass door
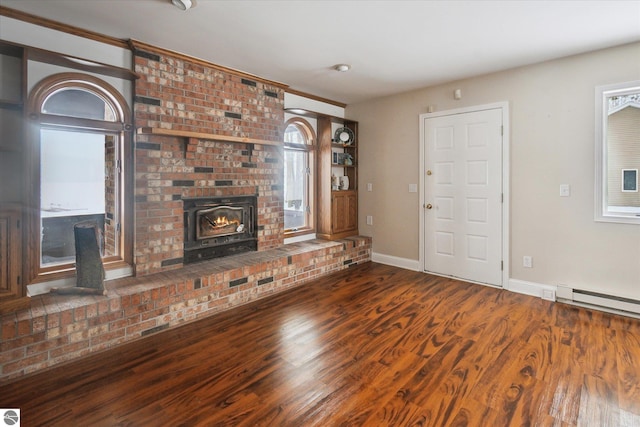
{"points": [[219, 221]]}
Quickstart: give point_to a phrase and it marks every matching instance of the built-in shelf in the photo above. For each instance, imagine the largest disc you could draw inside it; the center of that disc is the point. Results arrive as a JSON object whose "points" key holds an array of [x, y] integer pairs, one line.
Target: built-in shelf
{"points": [[337, 209], [204, 135]]}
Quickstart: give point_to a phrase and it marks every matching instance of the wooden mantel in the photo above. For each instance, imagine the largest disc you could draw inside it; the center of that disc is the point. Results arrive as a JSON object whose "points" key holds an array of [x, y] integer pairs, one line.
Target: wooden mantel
{"points": [[204, 135]]}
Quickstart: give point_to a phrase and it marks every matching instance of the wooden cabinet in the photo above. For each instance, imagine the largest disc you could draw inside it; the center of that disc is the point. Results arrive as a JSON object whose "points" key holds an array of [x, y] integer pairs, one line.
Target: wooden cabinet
{"points": [[10, 252], [344, 212], [12, 96], [337, 207]]}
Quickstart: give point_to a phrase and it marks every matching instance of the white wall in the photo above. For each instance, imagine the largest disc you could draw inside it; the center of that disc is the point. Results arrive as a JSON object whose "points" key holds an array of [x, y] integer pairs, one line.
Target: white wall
{"points": [[296, 101], [552, 143]]}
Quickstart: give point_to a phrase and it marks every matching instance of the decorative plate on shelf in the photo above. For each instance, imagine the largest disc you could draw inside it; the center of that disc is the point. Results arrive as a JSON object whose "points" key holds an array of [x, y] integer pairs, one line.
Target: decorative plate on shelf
{"points": [[344, 135]]}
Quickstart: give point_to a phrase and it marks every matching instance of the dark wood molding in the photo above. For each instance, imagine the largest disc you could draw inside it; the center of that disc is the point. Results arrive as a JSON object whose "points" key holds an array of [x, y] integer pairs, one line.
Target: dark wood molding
{"points": [[135, 45], [316, 98], [55, 25]]}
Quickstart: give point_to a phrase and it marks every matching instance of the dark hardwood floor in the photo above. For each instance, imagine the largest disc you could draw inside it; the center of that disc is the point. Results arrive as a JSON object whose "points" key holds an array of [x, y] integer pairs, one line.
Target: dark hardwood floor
{"points": [[370, 346]]}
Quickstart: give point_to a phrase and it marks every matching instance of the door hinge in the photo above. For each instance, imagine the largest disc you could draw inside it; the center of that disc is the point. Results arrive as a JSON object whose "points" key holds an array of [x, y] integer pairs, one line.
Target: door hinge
{"points": [[19, 280], [501, 265], [18, 224], [501, 197], [118, 228], [119, 166], [502, 130]]}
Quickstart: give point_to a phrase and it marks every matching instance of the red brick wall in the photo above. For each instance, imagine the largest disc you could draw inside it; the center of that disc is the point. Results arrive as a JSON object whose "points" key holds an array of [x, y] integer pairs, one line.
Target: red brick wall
{"points": [[174, 93]]}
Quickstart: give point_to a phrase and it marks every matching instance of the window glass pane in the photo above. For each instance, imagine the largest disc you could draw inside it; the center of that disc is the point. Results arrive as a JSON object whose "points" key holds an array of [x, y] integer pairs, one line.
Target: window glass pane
{"points": [[630, 180], [292, 135], [77, 184], [74, 102], [295, 188], [622, 154]]}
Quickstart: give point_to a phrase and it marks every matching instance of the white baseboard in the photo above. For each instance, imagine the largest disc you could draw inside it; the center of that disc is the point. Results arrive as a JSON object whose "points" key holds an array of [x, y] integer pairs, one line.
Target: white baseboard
{"points": [[520, 286], [539, 290], [408, 264], [533, 289]]}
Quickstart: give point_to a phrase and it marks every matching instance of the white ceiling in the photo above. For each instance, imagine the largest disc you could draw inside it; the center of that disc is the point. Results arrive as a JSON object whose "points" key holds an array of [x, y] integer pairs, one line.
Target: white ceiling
{"points": [[392, 46]]}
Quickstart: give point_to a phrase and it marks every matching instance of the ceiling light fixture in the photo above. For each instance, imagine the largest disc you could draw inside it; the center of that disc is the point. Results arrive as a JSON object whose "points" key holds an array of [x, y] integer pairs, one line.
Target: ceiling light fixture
{"points": [[343, 68], [182, 4]]}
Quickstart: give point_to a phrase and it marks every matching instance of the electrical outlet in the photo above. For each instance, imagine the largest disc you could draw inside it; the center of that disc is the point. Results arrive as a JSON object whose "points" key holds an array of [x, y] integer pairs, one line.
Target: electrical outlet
{"points": [[527, 261], [369, 220]]}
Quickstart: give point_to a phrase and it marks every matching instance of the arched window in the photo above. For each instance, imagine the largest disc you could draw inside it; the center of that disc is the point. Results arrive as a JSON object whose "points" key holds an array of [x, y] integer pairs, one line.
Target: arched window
{"points": [[79, 144], [299, 177]]}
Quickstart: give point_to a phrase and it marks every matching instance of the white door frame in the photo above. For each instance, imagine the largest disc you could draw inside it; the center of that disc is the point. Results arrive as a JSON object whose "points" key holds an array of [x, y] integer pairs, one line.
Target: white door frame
{"points": [[504, 107]]}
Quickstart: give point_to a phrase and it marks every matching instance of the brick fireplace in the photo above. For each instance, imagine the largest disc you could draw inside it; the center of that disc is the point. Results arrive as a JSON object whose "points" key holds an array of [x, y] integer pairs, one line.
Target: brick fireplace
{"points": [[203, 132], [176, 99]]}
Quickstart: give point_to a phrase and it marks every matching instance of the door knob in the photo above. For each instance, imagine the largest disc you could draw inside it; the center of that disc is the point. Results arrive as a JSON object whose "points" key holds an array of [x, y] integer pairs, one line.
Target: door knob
{"points": [[429, 206], [429, 172]]}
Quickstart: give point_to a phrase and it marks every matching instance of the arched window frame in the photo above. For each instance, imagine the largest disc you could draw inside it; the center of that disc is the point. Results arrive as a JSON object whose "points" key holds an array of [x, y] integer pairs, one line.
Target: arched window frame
{"points": [[310, 148], [121, 128]]}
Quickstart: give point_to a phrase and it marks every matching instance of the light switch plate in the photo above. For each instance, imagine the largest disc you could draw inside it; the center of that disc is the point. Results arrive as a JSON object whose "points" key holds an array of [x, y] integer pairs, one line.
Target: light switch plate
{"points": [[565, 190]]}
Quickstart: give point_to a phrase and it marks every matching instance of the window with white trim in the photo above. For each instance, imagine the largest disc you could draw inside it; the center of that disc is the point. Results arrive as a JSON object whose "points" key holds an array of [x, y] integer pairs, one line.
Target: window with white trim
{"points": [[618, 152]]}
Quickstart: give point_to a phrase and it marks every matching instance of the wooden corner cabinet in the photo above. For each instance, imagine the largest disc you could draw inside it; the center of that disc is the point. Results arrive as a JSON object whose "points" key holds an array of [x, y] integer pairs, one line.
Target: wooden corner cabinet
{"points": [[337, 196]]}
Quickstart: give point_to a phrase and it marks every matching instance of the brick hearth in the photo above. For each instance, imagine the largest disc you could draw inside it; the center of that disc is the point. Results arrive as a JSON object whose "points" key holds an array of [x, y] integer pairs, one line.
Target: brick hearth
{"points": [[57, 329]]}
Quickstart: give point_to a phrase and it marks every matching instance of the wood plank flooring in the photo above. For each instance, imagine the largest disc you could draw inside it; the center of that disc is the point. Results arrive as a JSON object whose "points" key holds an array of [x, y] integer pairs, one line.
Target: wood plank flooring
{"points": [[370, 346]]}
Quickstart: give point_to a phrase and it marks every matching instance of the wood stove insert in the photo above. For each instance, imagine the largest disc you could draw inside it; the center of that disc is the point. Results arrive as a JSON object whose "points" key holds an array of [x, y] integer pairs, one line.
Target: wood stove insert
{"points": [[219, 226]]}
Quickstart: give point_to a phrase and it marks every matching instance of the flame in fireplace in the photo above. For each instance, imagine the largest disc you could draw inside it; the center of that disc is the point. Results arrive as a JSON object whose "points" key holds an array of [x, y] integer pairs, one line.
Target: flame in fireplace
{"points": [[222, 221], [217, 225]]}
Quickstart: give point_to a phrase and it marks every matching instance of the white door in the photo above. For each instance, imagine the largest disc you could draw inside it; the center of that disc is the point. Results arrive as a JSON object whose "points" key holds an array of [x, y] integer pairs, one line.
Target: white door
{"points": [[463, 196]]}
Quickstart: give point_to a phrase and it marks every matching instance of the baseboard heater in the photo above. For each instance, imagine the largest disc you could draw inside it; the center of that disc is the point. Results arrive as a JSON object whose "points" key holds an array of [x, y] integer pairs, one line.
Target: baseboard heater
{"points": [[597, 299]]}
